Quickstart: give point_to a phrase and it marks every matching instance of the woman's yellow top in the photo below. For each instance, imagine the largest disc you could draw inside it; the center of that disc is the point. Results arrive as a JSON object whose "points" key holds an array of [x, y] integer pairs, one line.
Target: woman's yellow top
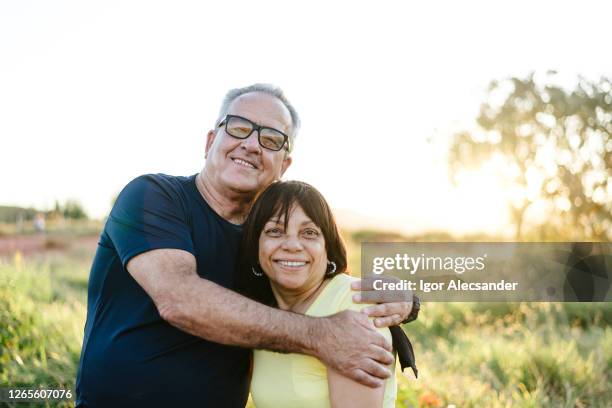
{"points": [[300, 381]]}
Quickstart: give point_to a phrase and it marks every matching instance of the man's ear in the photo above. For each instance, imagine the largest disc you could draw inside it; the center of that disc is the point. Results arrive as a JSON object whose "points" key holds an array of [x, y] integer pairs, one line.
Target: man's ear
{"points": [[286, 163], [210, 138]]}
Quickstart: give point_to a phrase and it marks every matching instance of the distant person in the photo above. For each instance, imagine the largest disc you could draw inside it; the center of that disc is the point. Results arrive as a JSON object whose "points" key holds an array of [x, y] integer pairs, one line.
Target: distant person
{"points": [[164, 327], [293, 258], [39, 222]]}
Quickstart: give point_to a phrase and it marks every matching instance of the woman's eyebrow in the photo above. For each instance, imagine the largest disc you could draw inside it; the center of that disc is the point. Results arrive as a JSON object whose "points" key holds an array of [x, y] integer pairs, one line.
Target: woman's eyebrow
{"points": [[278, 221]]}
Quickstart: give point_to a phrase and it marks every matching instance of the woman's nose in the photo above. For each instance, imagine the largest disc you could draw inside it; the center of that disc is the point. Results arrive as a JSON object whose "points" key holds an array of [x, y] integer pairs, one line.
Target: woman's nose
{"points": [[292, 243]]}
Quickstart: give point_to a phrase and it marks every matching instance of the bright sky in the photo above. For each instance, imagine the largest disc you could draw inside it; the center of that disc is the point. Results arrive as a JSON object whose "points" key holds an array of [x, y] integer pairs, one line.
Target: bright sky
{"points": [[93, 94]]}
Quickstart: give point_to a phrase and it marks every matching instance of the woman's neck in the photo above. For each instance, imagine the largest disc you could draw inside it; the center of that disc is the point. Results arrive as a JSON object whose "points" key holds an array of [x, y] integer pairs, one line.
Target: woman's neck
{"points": [[299, 300]]}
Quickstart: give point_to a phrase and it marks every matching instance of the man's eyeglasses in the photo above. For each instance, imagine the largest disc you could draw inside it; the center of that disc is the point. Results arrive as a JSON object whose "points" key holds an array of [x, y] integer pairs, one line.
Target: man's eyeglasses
{"points": [[242, 128]]}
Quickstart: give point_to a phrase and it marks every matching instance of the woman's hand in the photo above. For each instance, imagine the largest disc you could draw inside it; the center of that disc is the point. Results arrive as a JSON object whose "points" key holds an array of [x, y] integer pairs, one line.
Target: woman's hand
{"points": [[391, 307]]}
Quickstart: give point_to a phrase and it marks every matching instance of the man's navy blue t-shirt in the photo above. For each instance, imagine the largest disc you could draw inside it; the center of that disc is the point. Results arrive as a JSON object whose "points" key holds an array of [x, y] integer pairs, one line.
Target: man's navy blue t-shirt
{"points": [[130, 355]]}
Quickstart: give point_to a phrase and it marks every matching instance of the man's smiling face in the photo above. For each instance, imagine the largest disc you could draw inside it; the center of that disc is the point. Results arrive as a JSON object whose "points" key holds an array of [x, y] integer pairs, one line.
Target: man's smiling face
{"points": [[242, 165]]}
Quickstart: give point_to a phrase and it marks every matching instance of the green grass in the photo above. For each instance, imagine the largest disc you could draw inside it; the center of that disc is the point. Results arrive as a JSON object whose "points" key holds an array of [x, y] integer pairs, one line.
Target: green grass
{"points": [[468, 354], [42, 314], [518, 354]]}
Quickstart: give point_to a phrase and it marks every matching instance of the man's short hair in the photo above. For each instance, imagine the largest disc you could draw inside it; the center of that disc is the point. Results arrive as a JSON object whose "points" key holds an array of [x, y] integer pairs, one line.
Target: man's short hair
{"points": [[269, 89]]}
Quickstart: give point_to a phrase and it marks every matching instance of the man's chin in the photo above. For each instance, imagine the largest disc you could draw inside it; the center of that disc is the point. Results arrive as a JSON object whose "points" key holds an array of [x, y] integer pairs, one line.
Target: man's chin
{"points": [[245, 186]]}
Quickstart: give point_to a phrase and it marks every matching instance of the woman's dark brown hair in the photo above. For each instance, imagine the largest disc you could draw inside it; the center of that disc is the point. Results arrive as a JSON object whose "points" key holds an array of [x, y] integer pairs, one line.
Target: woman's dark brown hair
{"points": [[277, 201]]}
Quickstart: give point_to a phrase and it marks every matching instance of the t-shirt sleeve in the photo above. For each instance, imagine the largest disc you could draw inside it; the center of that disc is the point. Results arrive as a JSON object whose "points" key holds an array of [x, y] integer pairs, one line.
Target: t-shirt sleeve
{"points": [[150, 213], [346, 303]]}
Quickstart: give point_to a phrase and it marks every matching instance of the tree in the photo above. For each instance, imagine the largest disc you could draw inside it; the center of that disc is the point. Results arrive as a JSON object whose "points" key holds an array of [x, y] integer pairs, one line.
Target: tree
{"points": [[74, 210], [553, 145]]}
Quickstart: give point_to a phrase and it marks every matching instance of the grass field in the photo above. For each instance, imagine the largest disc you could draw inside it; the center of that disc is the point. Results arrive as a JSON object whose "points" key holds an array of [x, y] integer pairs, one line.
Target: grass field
{"points": [[469, 355]]}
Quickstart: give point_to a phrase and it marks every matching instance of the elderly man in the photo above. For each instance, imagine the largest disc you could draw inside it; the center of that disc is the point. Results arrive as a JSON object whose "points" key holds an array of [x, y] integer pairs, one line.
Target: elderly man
{"points": [[163, 326]]}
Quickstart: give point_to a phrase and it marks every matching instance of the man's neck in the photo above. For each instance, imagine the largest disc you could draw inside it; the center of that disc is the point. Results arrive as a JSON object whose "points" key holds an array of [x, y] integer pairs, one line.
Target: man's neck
{"points": [[231, 206]]}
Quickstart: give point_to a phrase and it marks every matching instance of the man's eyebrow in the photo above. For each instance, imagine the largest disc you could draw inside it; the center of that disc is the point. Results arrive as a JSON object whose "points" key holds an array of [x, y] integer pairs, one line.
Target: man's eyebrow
{"points": [[283, 127]]}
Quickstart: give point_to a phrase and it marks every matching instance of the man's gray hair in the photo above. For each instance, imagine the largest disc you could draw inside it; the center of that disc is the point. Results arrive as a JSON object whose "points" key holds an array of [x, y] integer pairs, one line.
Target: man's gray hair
{"points": [[269, 89]]}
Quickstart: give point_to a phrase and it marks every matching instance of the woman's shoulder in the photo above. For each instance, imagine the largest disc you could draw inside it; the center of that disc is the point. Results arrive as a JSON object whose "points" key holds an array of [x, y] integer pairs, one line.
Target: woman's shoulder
{"points": [[343, 281], [337, 296]]}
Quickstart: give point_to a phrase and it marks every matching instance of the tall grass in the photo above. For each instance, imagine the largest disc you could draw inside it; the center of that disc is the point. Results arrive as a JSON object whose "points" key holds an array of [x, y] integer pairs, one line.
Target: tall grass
{"points": [[42, 312], [512, 354]]}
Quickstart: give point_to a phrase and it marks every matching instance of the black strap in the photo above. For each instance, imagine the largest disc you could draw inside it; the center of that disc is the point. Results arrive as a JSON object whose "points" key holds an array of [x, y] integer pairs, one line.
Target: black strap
{"points": [[405, 352]]}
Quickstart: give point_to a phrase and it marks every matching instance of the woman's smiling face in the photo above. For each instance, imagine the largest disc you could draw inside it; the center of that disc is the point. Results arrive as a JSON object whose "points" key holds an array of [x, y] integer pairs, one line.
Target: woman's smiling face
{"points": [[295, 258]]}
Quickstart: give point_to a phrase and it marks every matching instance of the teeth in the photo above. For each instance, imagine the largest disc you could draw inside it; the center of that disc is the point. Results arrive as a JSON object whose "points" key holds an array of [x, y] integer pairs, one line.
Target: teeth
{"points": [[292, 263], [243, 163]]}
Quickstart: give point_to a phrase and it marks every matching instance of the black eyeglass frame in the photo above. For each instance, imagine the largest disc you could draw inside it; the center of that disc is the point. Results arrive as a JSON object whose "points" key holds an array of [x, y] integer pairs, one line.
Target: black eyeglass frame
{"points": [[257, 128]]}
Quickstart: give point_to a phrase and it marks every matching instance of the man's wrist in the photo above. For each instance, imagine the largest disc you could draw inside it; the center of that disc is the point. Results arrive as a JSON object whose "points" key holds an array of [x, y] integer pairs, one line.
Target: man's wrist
{"points": [[414, 313], [314, 330]]}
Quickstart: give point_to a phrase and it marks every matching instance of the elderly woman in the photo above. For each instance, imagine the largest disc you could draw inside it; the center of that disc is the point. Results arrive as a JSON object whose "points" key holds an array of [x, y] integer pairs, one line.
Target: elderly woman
{"points": [[293, 258]]}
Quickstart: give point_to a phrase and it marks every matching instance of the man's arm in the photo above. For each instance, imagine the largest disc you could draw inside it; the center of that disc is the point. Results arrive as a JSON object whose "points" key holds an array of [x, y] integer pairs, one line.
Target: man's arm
{"points": [[207, 310]]}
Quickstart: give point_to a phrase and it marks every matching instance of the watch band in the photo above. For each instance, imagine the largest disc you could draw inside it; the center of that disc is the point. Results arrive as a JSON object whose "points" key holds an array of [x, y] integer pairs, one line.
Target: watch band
{"points": [[414, 313]]}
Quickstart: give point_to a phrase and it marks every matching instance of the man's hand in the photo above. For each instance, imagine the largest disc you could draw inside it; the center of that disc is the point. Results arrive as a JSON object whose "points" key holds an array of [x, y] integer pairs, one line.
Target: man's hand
{"points": [[392, 306], [349, 343]]}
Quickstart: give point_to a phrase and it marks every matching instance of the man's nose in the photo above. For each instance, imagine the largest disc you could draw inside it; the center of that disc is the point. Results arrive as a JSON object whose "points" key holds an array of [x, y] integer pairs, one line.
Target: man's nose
{"points": [[251, 143]]}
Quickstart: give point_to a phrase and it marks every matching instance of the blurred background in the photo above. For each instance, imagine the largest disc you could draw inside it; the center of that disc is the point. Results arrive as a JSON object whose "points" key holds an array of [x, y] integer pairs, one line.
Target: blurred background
{"points": [[437, 121]]}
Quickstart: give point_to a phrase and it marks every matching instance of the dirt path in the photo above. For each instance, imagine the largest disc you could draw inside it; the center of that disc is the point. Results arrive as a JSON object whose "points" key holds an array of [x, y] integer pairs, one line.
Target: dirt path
{"points": [[39, 243]]}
